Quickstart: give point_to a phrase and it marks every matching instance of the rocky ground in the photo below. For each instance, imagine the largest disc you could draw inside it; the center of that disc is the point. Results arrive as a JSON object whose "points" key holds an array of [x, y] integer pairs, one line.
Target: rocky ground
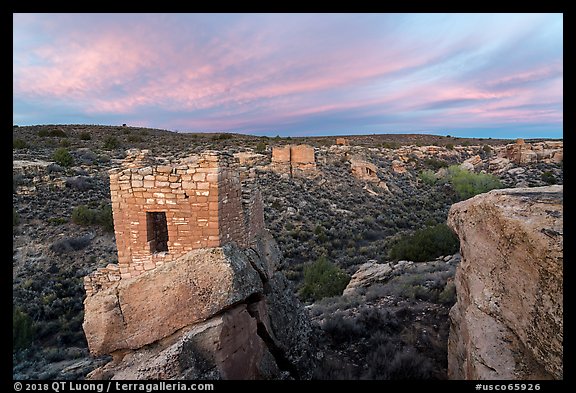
{"points": [[372, 332]]}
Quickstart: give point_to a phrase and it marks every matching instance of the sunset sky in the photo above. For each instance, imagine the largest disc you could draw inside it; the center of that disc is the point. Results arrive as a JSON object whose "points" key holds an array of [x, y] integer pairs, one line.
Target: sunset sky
{"points": [[483, 75]]}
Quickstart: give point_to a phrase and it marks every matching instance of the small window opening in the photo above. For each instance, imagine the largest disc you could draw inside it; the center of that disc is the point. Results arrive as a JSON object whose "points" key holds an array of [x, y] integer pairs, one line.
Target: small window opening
{"points": [[369, 172], [157, 231]]}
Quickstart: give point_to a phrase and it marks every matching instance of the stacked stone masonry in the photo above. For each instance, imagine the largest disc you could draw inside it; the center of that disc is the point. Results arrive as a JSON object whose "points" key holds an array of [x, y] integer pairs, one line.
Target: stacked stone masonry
{"points": [[295, 160], [161, 211], [364, 170]]}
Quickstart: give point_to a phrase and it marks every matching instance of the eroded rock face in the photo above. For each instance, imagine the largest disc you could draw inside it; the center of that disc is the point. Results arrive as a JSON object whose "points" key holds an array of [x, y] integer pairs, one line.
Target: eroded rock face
{"points": [[219, 313], [177, 294], [508, 320], [525, 153], [224, 347]]}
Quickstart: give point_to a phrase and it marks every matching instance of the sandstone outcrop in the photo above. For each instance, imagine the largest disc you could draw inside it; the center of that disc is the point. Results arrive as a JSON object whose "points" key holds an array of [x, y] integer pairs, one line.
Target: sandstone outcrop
{"points": [[471, 163], [372, 272], [526, 153], [508, 320]]}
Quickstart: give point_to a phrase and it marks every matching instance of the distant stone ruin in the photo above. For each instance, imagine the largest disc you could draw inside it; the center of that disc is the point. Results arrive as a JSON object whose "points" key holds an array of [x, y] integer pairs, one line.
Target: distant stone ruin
{"points": [[367, 171], [342, 142], [163, 211], [294, 160], [364, 170]]}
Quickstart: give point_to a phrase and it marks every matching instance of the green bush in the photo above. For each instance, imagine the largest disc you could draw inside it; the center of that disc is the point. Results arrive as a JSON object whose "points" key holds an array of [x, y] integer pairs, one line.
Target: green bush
{"points": [[548, 177], [222, 137], [58, 133], [426, 244], [111, 142], [83, 215], [85, 136], [260, 147], [62, 157], [467, 184], [448, 294], [22, 330], [434, 163], [105, 218], [19, 144], [487, 149], [450, 146], [428, 177], [323, 279]]}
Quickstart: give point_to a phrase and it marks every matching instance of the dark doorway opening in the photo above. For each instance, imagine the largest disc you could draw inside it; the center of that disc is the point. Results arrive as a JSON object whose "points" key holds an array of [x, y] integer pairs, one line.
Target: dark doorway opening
{"points": [[157, 231]]}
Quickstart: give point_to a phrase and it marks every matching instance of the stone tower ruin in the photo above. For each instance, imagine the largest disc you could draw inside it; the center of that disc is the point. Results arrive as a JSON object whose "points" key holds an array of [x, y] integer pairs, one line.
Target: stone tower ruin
{"points": [[162, 211]]}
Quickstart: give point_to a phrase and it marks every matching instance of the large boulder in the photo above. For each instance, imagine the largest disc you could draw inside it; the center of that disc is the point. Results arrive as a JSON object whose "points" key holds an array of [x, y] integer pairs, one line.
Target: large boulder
{"points": [[508, 319], [151, 306], [220, 313], [224, 347]]}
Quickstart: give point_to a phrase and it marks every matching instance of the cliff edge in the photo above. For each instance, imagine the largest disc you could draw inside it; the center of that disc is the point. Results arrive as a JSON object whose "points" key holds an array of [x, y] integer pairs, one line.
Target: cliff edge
{"points": [[508, 319]]}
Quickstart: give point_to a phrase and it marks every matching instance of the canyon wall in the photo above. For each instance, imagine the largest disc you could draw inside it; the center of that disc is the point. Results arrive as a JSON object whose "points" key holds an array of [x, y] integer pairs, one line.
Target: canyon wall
{"points": [[508, 320]]}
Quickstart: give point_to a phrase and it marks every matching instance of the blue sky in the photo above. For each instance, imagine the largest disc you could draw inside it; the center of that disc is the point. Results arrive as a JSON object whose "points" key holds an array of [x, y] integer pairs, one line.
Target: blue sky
{"points": [[481, 75]]}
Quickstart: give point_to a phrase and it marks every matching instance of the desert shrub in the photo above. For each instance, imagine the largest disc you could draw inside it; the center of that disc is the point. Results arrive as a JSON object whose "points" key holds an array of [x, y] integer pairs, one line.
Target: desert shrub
{"points": [[83, 215], [390, 145], [487, 149], [448, 294], [322, 279], [333, 368], [428, 177], [57, 220], [63, 157], [548, 177], [134, 138], [111, 142], [52, 133], [85, 136], [260, 147], [426, 244], [222, 137], [64, 143], [22, 329], [467, 184], [71, 244], [434, 163], [80, 183], [19, 144], [340, 329], [105, 218], [450, 146], [386, 362]]}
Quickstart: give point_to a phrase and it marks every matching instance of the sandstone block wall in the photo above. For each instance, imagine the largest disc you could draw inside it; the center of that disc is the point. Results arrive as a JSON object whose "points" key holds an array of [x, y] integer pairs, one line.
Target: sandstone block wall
{"points": [[295, 160], [102, 278], [364, 170], [342, 141], [161, 211], [188, 196]]}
